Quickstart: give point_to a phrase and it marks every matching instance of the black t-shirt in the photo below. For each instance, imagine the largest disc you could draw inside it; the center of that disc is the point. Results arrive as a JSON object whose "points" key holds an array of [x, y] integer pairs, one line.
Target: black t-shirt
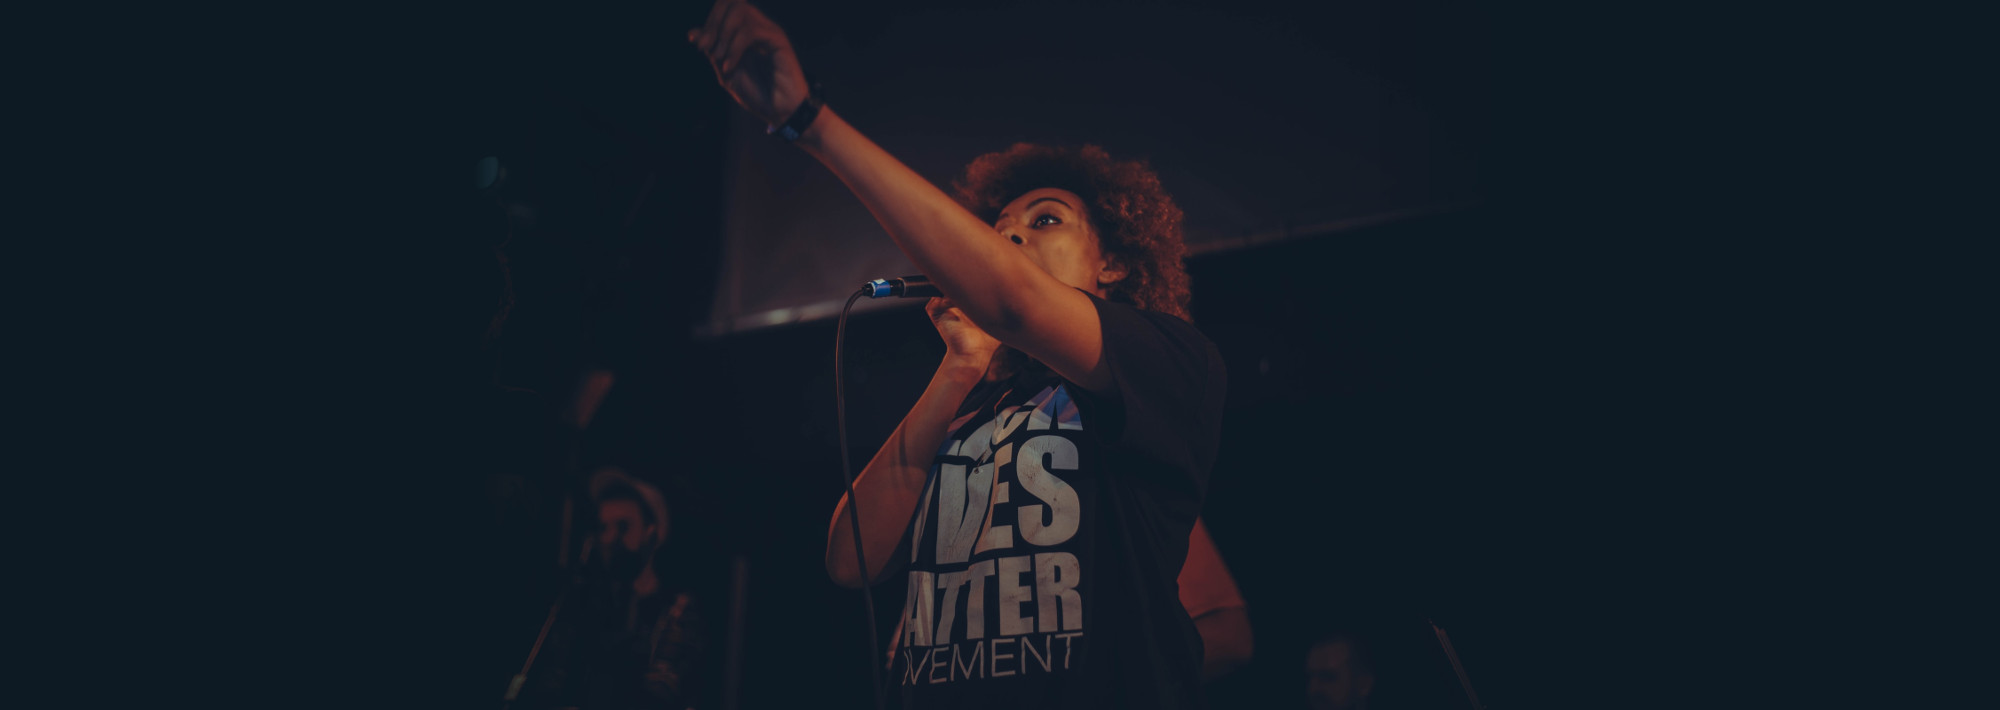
{"points": [[1042, 562]]}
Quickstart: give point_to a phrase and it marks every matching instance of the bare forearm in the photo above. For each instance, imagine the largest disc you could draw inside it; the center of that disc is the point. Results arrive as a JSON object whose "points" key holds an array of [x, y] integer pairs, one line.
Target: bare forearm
{"points": [[995, 285], [969, 261], [1226, 641], [891, 487]]}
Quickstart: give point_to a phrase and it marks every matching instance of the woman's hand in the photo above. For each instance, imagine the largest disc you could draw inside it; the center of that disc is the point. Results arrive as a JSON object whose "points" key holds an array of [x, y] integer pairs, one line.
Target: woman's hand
{"points": [[962, 339], [752, 59]]}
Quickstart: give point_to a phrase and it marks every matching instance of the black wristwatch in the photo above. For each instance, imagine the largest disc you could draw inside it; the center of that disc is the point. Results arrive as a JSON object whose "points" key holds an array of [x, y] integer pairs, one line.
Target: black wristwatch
{"points": [[802, 118]]}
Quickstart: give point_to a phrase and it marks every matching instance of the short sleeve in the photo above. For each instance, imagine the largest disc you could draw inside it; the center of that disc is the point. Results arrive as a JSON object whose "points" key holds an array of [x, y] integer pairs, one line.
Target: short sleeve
{"points": [[1170, 382]]}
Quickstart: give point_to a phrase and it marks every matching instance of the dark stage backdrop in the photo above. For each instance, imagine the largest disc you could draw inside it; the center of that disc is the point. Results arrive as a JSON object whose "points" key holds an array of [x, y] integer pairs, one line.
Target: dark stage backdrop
{"points": [[1264, 124]]}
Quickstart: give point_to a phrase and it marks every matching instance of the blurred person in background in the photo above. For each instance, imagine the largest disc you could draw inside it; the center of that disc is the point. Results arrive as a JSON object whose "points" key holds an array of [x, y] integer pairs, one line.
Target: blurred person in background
{"points": [[1340, 673], [633, 635]]}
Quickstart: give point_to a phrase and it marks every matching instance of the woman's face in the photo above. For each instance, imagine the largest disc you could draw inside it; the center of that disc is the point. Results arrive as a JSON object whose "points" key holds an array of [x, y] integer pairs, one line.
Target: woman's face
{"points": [[1050, 227]]}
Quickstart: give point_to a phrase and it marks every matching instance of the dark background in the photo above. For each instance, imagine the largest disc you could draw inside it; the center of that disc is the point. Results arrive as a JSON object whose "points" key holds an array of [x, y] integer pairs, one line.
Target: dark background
{"points": [[1492, 417]]}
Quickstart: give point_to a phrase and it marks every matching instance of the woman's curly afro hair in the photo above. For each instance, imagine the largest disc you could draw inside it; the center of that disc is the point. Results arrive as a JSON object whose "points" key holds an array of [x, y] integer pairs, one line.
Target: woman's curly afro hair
{"points": [[1137, 224]]}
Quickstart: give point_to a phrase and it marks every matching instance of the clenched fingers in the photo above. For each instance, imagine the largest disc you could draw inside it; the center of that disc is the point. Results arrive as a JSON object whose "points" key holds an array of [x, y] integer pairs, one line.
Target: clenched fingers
{"points": [[741, 35], [712, 28]]}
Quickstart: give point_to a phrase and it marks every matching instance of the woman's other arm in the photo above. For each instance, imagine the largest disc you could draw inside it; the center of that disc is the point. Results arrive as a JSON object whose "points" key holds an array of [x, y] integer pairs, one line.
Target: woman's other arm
{"points": [[892, 486]]}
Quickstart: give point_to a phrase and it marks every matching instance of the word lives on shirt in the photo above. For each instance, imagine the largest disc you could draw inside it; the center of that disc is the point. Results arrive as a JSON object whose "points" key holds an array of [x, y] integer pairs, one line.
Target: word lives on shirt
{"points": [[995, 587]]}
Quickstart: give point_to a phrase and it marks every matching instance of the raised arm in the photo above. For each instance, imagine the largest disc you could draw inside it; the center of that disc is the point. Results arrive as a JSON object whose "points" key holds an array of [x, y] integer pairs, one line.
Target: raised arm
{"points": [[998, 286]]}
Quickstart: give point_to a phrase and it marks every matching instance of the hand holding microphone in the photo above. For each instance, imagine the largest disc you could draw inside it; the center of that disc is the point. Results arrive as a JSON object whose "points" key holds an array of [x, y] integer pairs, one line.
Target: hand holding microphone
{"points": [[963, 339]]}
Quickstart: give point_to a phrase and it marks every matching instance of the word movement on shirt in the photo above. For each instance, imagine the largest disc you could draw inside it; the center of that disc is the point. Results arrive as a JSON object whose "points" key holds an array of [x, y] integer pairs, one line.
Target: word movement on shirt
{"points": [[998, 489]]}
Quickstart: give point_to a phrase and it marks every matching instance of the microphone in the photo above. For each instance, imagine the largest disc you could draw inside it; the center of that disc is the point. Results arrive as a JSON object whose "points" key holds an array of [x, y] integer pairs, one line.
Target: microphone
{"points": [[901, 287]]}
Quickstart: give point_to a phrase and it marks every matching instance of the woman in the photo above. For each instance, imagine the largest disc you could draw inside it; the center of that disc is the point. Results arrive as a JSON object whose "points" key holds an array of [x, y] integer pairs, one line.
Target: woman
{"points": [[1040, 495]]}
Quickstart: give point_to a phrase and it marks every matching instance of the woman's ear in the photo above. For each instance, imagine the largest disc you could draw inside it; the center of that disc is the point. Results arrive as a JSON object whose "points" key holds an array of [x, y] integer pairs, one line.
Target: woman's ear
{"points": [[1112, 272]]}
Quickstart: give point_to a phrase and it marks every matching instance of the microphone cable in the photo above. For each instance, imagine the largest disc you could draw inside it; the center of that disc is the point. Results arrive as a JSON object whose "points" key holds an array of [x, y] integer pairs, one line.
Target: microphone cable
{"points": [[854, 503]]}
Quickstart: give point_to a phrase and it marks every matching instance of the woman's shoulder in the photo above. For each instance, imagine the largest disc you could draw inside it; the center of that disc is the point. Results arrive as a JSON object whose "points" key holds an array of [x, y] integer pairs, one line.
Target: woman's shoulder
{"points": [[1128, 321]]}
